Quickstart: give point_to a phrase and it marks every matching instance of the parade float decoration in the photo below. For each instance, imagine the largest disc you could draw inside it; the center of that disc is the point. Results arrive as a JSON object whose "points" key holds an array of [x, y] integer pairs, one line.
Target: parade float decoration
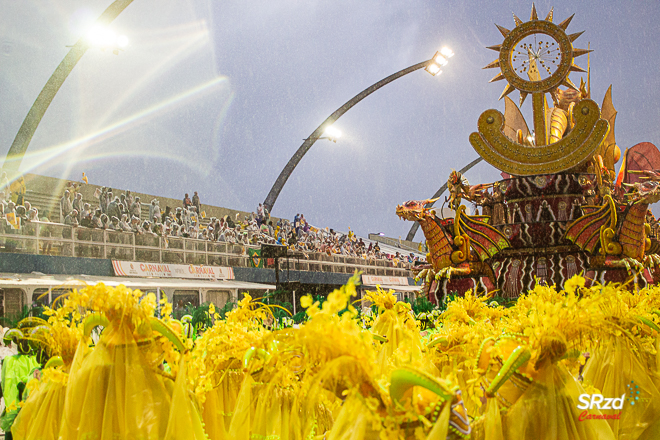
{"points": [[562, 209]]}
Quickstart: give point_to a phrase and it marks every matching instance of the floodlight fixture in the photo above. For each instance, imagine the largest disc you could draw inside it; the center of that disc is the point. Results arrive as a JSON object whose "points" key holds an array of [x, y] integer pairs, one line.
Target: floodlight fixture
{"points": [[439, 60]]}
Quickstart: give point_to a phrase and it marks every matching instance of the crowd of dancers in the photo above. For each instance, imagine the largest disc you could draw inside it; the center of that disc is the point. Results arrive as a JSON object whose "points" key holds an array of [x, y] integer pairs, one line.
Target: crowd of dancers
{"points": [[577, 364]]}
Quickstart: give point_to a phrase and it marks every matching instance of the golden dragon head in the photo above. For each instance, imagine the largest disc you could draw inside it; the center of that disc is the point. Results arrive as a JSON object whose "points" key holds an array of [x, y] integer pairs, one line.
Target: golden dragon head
{"points": [[414, 210]]}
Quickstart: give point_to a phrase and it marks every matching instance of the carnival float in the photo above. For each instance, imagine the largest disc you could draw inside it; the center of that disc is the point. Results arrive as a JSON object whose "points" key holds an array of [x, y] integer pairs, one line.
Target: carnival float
{"points": [[573, 358], [562, 208]]}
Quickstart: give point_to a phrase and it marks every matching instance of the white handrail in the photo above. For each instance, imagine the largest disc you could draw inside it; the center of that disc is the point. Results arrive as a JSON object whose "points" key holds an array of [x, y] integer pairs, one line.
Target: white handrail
{"points": [[42, 236]]}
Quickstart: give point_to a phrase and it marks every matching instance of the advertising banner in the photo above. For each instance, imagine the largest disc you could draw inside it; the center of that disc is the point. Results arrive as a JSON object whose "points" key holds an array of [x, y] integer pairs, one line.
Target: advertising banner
{"points": [[158, 270], [373, 280]]}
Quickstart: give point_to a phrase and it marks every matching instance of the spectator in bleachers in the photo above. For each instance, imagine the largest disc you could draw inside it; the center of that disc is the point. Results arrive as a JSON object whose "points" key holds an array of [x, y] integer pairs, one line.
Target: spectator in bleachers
{"points": [[108, 199], [186, 201], [86, 217], [166, 214], [103, 199], [154, 210], [96, 219], [21, 214], [195, 203], [71, 218], [124, 224], [77, 204], [114, 224], [136, 209], [122, 201], [33, 215], [146, 227], [86, 212], [66, 206], [113, 208], [186, 222], [194, 228], [129, 199], [135, 225]]}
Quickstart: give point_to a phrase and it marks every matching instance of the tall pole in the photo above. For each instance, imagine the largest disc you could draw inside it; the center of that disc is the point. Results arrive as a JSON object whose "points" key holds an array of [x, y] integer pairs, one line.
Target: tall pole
{"points": [[438, 193], [307, 144], [38, 109]]}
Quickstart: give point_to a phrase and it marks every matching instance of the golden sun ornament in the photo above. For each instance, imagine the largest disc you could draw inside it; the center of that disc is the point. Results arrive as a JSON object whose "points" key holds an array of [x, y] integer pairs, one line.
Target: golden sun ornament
{"points": [[536, 58], [540, 49]]}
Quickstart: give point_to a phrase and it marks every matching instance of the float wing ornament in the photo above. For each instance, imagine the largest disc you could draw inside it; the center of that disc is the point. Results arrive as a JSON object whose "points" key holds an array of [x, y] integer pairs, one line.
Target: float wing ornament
{"points": [[485, 240], [586, 232]]}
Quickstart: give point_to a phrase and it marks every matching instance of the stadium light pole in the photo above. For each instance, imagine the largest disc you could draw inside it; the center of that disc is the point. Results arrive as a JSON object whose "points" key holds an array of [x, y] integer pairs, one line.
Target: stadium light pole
{"points": [[38, 109], [432, 66], [438, 193]]}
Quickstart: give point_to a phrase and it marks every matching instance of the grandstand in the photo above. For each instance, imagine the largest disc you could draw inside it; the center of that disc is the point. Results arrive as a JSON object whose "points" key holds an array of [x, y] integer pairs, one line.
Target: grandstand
{"points": [[63, 253]]}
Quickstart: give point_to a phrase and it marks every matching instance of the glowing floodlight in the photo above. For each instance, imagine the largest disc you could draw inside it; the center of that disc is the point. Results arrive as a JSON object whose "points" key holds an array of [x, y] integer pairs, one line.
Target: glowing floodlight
{"points": [[433, 69], [122, 41], [105, 38], [440, 60], [332, 133], [100, 36], [447, 52]]}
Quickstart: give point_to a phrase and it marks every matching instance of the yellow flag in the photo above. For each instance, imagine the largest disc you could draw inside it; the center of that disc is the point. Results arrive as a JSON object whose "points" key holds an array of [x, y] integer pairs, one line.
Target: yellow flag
{"points": [[13, 221]]}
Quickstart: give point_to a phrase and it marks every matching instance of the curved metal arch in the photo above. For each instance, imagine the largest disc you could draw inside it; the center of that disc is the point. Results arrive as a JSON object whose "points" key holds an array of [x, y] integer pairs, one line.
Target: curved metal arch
{"points": [[438, 193], [38, 109], [316, 134]]}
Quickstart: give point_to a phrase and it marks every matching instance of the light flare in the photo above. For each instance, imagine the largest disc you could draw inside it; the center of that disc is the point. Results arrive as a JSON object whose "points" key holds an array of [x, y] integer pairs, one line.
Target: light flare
{"points": [[50, 154], [192, 41], [332, 133]]}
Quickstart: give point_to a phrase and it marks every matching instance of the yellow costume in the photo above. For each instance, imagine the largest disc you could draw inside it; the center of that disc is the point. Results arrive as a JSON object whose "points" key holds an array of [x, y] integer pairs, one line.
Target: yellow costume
{"points": [[41, 415]]}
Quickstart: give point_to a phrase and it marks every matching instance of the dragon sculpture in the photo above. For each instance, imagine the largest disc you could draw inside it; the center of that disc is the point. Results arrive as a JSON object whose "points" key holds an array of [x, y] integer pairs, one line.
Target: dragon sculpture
{"points": [[618, 230], [458, 247]]}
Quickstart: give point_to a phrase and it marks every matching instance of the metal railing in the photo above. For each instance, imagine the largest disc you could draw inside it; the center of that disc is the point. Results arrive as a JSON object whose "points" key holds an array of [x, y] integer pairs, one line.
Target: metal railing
{"points": [[57, 239]]}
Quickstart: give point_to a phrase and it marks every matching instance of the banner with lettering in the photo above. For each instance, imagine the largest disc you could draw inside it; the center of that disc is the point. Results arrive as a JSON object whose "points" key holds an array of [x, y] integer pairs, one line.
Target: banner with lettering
{"points": [[194, 271], [374, 280]]}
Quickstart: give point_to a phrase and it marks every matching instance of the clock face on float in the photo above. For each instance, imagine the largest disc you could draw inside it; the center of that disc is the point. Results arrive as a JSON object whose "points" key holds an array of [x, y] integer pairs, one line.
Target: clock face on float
{"points": [[536, 56]]}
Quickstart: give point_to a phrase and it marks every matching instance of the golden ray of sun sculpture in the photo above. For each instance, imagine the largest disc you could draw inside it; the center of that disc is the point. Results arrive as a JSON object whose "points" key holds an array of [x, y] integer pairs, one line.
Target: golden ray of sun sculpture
{"points": [[536, 58]]}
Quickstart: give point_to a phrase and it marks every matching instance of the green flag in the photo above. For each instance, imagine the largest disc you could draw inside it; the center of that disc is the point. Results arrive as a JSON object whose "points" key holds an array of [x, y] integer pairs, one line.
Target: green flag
{"points": [[255, 258]]}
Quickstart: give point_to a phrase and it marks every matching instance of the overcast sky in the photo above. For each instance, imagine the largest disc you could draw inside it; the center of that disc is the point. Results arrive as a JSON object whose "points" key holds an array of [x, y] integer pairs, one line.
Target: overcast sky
{"points": [[216, 96]]}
